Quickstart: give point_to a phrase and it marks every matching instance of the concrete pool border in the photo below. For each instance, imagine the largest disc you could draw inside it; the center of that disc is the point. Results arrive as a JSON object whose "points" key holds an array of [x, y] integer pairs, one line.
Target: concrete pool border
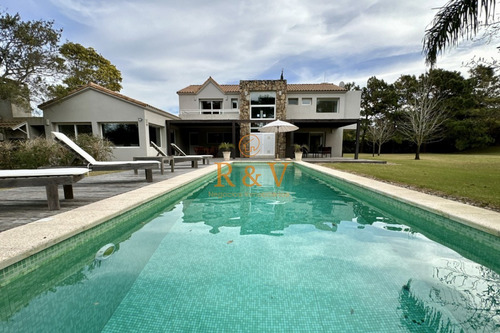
{"points": [[26, 240], [472, 216], [20, 243]]}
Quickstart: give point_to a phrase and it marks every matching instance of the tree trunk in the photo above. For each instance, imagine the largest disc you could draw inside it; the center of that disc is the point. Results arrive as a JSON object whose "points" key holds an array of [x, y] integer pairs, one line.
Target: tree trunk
{"points": [[379, 148], [417, 153]]}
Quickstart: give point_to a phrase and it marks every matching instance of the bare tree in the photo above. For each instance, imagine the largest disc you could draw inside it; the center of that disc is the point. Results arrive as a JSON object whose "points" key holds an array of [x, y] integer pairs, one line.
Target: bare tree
{"points": [[422, 120], [380, 131]]}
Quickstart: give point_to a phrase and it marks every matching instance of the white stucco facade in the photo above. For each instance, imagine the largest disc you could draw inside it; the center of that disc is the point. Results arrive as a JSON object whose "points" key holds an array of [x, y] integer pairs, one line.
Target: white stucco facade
{"points": [[318, 127], [94, 107]]}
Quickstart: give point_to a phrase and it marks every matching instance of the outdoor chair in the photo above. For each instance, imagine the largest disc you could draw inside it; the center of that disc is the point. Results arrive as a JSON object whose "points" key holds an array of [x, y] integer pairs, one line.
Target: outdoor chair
{"points": [[94, 165], [194, 159], [182, 153], [305, 151], [326, 151]]}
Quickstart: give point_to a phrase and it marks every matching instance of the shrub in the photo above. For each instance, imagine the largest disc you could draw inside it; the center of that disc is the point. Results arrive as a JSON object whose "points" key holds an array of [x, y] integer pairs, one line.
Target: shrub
{"points": [[7, 149], [35, 153], [40, 152], [99, 148]]}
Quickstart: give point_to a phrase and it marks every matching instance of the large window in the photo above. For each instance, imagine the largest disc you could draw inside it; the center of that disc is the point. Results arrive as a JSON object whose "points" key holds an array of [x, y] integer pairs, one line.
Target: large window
{"points": [[326, 105], [72, 130], [210, 106], [121, 134], [154, 135], [263, 105], [263, 98], [262, 112]]}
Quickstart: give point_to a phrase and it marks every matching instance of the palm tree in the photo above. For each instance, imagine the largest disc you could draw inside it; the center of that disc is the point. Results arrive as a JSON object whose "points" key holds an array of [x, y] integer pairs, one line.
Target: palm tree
{"points": [[457, 19]]}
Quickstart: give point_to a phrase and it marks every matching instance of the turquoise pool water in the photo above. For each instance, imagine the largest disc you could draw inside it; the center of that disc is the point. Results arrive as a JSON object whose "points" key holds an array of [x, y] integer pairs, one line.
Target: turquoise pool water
{"points": [[313, 255]]}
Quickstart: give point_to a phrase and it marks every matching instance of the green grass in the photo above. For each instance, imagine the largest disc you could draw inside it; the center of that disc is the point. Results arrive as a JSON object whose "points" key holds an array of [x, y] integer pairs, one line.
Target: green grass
{"points": [[472, 177]]}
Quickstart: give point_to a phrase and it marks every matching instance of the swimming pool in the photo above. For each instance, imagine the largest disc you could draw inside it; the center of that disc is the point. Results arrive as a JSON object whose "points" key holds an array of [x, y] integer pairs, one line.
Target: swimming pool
{"points": [[315, 254]]}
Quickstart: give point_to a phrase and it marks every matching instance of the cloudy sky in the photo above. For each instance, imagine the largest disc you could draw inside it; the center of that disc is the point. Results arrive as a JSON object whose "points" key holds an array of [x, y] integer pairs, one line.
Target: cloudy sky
{"points": [[162, 46]]}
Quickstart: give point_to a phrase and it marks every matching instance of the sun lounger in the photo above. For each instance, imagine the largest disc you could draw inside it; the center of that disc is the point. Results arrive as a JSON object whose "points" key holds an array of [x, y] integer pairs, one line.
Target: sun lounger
{"points": [[182, 153], [50, 178], [161, 156], [94, 165]]}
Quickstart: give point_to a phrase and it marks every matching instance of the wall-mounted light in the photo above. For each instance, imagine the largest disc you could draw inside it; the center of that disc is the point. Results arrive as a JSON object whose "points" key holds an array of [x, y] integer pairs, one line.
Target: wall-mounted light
{"points": [[139, 119]]}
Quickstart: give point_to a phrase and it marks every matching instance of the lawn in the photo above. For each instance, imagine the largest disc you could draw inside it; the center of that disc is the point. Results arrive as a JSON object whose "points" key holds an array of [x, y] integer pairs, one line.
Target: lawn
{"points": [[468, 177]]}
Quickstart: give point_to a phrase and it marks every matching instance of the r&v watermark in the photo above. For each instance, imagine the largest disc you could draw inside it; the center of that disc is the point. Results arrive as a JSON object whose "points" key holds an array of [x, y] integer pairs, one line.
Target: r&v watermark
{"points": [[249, 145], [249, 179]]}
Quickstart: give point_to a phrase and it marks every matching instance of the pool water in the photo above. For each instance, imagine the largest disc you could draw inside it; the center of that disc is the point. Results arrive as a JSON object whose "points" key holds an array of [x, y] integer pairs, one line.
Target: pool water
{"points": [[312, 255]]}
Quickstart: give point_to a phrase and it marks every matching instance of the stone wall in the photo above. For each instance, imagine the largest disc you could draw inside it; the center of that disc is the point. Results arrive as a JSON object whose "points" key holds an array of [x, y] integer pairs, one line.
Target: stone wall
{"points": [[280, 87]]}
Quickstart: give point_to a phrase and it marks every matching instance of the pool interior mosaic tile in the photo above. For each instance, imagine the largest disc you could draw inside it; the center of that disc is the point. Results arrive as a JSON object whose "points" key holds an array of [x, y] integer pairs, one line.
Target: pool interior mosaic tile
{"points": [[320, 259]]}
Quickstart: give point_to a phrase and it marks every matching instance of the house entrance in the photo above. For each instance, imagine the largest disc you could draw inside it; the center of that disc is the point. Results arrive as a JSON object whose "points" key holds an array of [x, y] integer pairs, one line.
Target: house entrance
{"points": [[262, 145], [316, 141]]}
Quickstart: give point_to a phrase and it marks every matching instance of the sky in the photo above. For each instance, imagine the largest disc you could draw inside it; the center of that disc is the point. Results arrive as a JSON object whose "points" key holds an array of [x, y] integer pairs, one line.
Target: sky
{"points": [[162, 46]]}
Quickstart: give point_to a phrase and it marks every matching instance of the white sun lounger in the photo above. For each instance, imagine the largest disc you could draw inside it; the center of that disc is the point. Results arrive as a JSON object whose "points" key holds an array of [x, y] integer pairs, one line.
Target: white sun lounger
{"points": [[50, 178], [182, 153], [194, 159], [94, 165]]}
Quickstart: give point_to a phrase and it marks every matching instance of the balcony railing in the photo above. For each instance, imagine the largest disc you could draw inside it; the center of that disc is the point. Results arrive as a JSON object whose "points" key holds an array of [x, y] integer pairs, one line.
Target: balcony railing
{"points": [[209, 114]]}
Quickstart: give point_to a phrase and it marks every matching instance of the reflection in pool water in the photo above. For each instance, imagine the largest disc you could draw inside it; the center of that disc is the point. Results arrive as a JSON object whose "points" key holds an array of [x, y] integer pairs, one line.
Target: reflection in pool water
{"points": [[344, 260]]}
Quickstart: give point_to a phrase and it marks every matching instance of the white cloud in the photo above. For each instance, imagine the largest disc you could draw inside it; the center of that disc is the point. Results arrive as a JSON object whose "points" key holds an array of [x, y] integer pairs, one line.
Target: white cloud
{"points": [[163, 46]]}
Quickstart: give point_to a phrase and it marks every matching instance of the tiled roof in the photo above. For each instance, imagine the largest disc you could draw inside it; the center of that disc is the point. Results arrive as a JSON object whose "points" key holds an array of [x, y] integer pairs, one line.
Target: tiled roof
{"points": [[12, 123], [234, 88], [195, 88]]}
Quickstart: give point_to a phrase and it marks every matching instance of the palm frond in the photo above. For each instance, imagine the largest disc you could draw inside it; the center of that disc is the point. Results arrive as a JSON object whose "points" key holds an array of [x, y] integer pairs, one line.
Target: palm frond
{"points": [[457, 19]]}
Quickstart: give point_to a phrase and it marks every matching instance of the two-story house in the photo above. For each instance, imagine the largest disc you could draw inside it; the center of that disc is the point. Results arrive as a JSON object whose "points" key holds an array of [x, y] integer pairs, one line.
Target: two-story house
{"points": [[212, 113], [209, 114], [18, 123]]}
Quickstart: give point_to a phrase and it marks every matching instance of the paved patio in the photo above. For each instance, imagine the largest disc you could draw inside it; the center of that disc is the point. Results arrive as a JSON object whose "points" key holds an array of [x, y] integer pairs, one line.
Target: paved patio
{"points": [[23, 205]]}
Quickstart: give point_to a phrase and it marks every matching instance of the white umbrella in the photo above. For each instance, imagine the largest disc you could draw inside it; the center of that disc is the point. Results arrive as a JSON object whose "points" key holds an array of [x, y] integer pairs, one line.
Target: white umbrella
{"points": [[278, 126]]}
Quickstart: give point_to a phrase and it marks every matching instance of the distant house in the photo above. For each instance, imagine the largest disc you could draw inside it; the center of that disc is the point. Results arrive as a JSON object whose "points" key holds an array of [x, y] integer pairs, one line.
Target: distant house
{"points": [[128, 123], [211, 113], [17, 123]]}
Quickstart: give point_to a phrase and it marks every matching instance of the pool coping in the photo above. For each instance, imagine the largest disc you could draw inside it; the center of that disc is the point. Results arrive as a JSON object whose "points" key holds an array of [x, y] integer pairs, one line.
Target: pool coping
{"points": [[26, 240], [21, 242], [472, 216]]}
